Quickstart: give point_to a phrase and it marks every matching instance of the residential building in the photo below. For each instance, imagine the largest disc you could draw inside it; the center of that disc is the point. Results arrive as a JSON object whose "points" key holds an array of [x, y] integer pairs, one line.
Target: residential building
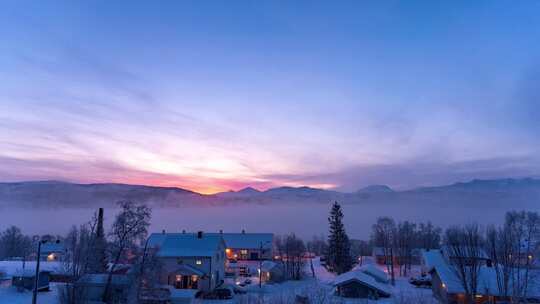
{"points": [[190, 260], [248, 246], [448, 288], [53, 251], [246, 251]]}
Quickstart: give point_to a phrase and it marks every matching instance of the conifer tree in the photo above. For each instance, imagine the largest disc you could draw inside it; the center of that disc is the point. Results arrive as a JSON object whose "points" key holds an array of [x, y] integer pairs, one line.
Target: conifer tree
{"points": [[338, 257]]}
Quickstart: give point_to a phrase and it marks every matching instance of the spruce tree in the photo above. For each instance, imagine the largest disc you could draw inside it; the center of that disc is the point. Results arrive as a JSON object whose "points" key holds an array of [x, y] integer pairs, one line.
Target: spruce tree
{"points": [[339, 257]]}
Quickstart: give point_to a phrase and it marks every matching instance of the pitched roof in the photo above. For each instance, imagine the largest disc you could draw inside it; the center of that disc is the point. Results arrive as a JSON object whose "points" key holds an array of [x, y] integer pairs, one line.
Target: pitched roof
{"points": [[375, 272], [185, 244], [487, 276], [185, 269], [269, 266], [247, 240], [362, 278], [52, 247]]}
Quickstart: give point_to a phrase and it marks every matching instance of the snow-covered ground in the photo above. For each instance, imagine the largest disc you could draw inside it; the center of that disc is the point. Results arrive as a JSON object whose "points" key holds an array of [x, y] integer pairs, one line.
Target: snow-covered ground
{"points": [[10, 295], [318, 289], [9, 268]]}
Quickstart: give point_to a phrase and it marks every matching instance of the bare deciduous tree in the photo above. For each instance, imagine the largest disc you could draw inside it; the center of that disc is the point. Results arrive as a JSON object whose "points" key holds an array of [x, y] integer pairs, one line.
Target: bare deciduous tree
{"points": [[383, 235], [14, 244], [464, 249], [130, 227]]}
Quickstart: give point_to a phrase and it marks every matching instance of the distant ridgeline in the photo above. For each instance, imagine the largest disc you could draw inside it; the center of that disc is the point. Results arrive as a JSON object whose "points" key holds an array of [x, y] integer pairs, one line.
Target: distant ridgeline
{"points": [[45, 194]]}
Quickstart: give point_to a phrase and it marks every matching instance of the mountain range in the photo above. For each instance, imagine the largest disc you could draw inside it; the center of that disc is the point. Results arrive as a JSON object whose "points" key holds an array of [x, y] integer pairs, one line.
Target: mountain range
{"points": [[46, 194]]}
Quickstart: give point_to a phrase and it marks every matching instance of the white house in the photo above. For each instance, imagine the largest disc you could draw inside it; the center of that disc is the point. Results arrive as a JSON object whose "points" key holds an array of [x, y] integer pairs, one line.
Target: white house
{"points": [[246, 251], [248, 246], [190, 260]]}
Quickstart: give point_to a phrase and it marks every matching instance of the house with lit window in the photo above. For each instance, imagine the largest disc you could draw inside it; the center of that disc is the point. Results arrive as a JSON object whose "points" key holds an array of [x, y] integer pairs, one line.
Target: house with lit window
{"points": [[248, 246], [246, 251], [53, 251], [447, 286], [190, 260]]}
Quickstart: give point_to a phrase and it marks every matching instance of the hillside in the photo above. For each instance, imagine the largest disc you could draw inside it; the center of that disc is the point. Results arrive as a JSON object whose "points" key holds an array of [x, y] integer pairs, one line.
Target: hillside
{"points": [[45, 194]]}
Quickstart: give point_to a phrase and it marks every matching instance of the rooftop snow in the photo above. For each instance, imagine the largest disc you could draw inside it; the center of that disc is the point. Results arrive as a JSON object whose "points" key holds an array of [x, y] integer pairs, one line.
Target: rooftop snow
{"points": [[359, 276], [247, 240], [374, 271], [185, 244]]}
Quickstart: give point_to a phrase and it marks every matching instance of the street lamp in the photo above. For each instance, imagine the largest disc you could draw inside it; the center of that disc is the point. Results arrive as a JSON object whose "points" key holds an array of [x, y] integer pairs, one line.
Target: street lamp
{"points": [[36, 277]]}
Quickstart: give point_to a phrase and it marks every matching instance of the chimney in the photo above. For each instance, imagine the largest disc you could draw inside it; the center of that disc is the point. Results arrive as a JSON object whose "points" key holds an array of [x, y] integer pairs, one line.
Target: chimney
{"points": [[243, 231], [183, 231], [199, 234], [163, 231], [221, 231]]}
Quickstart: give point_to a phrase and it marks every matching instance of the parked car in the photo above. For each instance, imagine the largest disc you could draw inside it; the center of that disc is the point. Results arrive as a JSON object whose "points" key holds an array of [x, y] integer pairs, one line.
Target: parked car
{"points": [[421, 281], [239, 289], [244, 283], [224, 292]]}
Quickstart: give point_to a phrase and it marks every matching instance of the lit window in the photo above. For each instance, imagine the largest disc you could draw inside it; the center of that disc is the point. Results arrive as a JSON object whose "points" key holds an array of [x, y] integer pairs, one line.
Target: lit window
{"points": [[178, 278], [50, 257], [228, 250], [243, 251], [194, 278], [198, 262]]}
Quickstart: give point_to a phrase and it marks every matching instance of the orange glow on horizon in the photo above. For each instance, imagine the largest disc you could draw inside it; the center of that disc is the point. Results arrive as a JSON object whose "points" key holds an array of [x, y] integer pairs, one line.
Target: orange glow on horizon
{"points": [[206, 186]]}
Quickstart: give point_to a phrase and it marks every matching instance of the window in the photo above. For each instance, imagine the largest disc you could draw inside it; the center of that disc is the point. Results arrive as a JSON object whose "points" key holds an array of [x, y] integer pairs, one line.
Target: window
{"points": [[198, 262], [243, 251]]}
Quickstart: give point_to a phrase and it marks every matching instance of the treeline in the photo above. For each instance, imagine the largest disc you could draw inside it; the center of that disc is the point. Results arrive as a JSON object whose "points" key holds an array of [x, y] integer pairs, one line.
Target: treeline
{"points": [[92, 250], [512, 248]]}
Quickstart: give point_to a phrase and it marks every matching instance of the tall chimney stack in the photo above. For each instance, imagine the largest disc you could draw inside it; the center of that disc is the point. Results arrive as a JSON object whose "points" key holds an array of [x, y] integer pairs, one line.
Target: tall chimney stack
{"points": [[199, 234]]}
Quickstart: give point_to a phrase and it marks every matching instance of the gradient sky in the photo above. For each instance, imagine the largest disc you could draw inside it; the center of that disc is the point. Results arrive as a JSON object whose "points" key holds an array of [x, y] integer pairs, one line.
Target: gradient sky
{"points": [[218, 95]]}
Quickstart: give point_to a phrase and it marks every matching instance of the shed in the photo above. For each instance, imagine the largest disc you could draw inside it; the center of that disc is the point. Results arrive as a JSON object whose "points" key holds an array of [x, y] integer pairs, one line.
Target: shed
{"points": [[356, 284], [92, 286], [272, 271], [25, 279]]}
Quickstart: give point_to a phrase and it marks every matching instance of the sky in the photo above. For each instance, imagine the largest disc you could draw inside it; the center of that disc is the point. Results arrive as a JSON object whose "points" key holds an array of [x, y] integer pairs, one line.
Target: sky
{"points": [[219, 95]]}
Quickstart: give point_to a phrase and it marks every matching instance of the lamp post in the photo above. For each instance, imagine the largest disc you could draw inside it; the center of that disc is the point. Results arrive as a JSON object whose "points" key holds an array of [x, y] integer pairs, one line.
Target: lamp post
{"points": [[36, 277]]}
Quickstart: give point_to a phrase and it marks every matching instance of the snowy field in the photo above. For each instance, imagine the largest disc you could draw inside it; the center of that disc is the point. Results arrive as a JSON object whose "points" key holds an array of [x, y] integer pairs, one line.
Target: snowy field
{"points": [[318, 289], [9, 268]]}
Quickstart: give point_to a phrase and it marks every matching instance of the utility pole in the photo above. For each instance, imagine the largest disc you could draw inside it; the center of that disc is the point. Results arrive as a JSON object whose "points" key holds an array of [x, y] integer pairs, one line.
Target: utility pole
{"points": [[260, 264], [36, 277]]}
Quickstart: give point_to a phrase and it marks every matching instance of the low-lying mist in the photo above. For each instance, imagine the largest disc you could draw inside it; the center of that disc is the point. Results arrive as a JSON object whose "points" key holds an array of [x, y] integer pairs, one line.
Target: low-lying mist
{"points": [[305, 220]]}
